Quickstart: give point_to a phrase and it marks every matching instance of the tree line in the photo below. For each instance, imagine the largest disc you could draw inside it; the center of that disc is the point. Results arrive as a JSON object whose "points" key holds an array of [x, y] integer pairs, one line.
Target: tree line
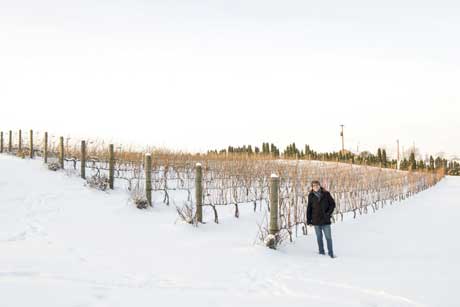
{"points": [[379, 159]]}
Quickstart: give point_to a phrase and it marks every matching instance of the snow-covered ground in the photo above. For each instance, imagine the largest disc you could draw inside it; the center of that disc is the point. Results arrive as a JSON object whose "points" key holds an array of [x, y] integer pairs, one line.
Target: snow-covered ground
{"points": [[63, 244]]}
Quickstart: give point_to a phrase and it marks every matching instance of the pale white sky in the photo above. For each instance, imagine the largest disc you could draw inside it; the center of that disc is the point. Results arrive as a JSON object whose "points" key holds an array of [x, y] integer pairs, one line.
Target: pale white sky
{"points": [[201, 74]]}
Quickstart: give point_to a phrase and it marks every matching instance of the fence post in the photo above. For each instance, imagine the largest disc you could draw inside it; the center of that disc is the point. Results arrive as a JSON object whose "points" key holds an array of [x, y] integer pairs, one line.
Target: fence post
{"points": [[148, 178], [20, 141], [31, 145], [61, 151], [45, 148], [1, 142], [10, 141], [83, 160], [111, 166], [199, 193], [274, 204]]}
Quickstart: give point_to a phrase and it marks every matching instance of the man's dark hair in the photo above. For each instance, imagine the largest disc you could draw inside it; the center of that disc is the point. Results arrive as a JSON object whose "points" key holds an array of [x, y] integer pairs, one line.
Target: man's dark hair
{"points": [[315, 182]]}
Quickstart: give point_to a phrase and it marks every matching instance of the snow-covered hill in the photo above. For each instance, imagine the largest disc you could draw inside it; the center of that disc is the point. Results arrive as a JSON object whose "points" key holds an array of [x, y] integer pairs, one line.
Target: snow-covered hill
{"points": [[62, 244]]}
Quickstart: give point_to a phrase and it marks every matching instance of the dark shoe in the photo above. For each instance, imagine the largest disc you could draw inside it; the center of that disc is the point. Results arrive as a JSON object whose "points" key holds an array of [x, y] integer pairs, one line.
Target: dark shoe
{"points": [[322, 253], [333, 256]]}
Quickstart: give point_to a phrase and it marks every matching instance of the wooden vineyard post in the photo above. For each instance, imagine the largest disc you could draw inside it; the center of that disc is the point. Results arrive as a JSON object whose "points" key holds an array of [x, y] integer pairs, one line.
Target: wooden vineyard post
{"points": [[45, 148], [31, 144], [111, 166], [20, 141], [274, 204], [10, 141], [61, 151], [148, 178], [1, 142], [83, 160], [199, 193]]}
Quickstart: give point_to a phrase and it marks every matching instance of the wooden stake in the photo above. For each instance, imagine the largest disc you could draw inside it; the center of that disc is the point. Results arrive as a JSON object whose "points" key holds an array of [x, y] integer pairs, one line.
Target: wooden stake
{"points": [[31, 145], [274, 204], [45, 148], [148, 178], [61, 151], [111, 166], [83, 160], [199, 193]]}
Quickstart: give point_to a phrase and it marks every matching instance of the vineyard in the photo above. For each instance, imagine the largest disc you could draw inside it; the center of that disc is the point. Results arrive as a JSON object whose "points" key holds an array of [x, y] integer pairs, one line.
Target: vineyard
{"points": [[232, 180]]}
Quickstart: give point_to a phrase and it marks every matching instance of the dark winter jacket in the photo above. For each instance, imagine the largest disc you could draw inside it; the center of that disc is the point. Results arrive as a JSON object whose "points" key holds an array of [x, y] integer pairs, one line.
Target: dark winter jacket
{"points": [[319, 211]]}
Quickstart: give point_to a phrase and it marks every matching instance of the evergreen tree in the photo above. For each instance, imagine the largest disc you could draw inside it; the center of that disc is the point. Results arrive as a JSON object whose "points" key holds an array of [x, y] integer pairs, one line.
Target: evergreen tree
{"points": [[404, 165], [412, 162], [384, 158], [379, 155], [431, 163], [421, 165], [438, 163]]}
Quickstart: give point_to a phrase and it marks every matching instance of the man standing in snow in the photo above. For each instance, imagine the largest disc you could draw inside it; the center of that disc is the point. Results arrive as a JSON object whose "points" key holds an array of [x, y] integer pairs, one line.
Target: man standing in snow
{"points": [[319, 210]]}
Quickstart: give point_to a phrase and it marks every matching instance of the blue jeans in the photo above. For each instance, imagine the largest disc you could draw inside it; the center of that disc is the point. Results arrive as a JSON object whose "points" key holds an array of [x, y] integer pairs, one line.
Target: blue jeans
{"points": [[319, 237]]}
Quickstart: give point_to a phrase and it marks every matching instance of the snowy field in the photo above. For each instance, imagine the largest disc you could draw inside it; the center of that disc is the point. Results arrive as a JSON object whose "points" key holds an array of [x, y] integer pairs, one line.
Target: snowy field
{"points": [[63, 244]]}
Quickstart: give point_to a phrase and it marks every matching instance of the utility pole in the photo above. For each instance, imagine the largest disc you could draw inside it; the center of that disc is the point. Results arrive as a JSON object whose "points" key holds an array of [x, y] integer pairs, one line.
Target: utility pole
{"points": [[397, 155], [343, 143]]}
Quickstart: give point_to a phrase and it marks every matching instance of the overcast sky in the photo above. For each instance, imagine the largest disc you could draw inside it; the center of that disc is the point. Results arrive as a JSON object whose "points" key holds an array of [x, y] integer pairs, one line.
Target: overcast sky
{"points": [[200, 74]]}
